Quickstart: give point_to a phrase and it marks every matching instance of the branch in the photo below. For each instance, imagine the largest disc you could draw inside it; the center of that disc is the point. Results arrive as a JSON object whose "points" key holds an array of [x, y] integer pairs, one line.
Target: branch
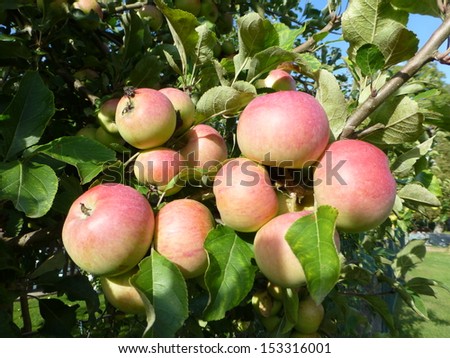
{"points": [[426, 54], [77, 85]]}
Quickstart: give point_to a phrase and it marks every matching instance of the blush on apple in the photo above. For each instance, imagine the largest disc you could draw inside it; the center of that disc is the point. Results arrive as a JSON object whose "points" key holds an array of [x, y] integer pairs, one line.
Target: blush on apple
{"points": [[184, 107]]}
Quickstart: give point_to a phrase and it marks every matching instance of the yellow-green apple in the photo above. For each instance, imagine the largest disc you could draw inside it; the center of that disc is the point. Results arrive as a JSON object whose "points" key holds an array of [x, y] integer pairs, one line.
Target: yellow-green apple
{"points": [[280, 80], [88, 131], [152, 15], [310, 316], [244, 195], [274, 256], [108, 229], [121, 294], [107, 115], [265, 305], [184, 107], [158, 167], [192, 6], [107, 138], [354, 177], [182, 226], [145, 118], [284, 129], [209, 10], [89, 5]]}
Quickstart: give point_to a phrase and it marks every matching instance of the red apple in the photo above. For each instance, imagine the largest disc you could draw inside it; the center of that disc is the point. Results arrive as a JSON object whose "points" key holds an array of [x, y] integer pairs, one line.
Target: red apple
{"points": [[181, 229], [274, 256], [244, 195], [283, 129], [158, 167], [145, 118], [280, 80], [121, 294], [354, 177], [108, 229], [89, 5], [192, 6], [107, 115], [184, 107]]}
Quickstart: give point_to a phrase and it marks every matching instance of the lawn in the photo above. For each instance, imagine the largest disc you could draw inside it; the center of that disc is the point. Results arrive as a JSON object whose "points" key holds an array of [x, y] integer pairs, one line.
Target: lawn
{"points": [[436, 266]]}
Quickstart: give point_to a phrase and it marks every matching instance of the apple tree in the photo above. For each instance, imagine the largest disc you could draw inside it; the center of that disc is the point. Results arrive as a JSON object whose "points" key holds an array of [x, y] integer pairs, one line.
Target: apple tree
{"points": [[165, 166]]}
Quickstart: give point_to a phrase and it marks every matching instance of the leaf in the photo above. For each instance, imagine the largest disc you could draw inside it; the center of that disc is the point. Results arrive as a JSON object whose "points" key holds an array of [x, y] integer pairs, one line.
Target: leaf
{"points": [[54, 262], [230, 273], [311, 238], [405, 162], [423, 7], [401, 122], [417, 284], [268, 60], [330, 96], [308, 64], [30, 186], [380, 306], [162, 283], [288, 36], [141, 76], [137, 35], [222, 100], [204, 50], [369, 59], [377, 22], [29, 112], [59, 317], [87, 155], [419, 195]]}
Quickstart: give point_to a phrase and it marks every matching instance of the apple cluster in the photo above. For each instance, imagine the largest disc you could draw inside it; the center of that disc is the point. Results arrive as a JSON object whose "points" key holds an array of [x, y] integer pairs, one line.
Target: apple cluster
{"points": [[111, 227]]}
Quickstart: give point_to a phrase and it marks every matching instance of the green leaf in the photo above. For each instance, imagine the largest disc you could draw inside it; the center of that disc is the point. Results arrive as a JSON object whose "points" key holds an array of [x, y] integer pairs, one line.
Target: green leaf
{"points": [[29, 112], [423, 7], [308, 64], [87, 155], [141, 76], [54, 262], [369, 59], [380, 306], [162, 283], [419, 285], [204, 50], [290, 305], [137, 35], [330, 96], [30, 186], [401, 121], [222, 100], [417, 194], [405, 162], [288, 36], [268, 60], [59, 318], [311, 238], [230, 273], [377, 22]]}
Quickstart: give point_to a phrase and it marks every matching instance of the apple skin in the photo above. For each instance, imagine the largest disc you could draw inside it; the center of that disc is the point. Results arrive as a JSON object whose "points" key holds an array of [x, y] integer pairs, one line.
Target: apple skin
{"points": [[158, 167], [244, 195], [181, 229], [108, 229], [310, 316], [280, 80], [87, 131], [183, 106], [354, 177], [192, 6], [121, 294], [107, 115], [274, 256], [152, 15], [284, 129], [147, 119], [107, 138], [89, 5], [205, 147], [209, 10]]}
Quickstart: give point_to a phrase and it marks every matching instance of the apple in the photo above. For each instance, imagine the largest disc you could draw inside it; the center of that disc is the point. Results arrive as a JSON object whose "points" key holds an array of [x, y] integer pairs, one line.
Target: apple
{"points": [[205, 147], [244, 195], [145, 118], [209, 10], [107, 115], [152, 15], [192, 6], [265, 305], [228, 48], [108, 229], [121, 294], [107, 138], [87, 6], [310, 316], [354, 177], [184, 107], [158, 167], [274, 256], [284, 129], [182, 226], [224, 23], [88, 131], [280, 80]]}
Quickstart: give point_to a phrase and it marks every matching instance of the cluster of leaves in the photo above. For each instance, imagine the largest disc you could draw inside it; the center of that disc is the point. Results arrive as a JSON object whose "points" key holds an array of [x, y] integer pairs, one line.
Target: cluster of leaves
{"points": [[59, 65]]}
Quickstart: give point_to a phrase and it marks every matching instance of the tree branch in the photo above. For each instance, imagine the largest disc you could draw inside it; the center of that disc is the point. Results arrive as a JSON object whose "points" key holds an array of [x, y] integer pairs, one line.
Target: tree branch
{"points": [[426, 54]]}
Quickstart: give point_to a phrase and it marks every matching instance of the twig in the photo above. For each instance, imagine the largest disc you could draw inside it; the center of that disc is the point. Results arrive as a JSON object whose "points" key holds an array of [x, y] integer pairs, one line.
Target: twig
{"points": [[78, 86], [426, 54]]}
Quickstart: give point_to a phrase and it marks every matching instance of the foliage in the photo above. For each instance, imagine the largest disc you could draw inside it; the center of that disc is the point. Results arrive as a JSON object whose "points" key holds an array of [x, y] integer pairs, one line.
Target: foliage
{"points": [[59, 64]]}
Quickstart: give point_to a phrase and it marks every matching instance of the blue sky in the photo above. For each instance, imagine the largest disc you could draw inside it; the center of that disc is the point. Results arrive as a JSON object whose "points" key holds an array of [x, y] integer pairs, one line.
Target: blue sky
{"points": [[422, 26]]}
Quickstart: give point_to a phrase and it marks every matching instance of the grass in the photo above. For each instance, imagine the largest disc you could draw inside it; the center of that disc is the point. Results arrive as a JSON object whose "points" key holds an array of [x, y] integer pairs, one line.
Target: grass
{"points": [[435, 266]]}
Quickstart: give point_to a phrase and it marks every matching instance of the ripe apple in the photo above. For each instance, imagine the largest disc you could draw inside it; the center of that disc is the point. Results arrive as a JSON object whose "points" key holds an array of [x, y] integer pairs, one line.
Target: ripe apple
{"points": [[244, 195], [280, 80], [184, 107], [89, 5], [145, 118], [310, 315], [354, 177], [284, 129], [107, 115], [192, 6], [181, 229], [152, 15], [205, 147], [121, 294], [158, 167], [274, 256], [108, 229], [209, 10]]}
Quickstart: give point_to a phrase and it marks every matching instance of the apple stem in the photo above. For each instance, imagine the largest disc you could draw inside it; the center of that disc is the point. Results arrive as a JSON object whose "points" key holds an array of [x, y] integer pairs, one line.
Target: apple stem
{"points": [[85, 210]]}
